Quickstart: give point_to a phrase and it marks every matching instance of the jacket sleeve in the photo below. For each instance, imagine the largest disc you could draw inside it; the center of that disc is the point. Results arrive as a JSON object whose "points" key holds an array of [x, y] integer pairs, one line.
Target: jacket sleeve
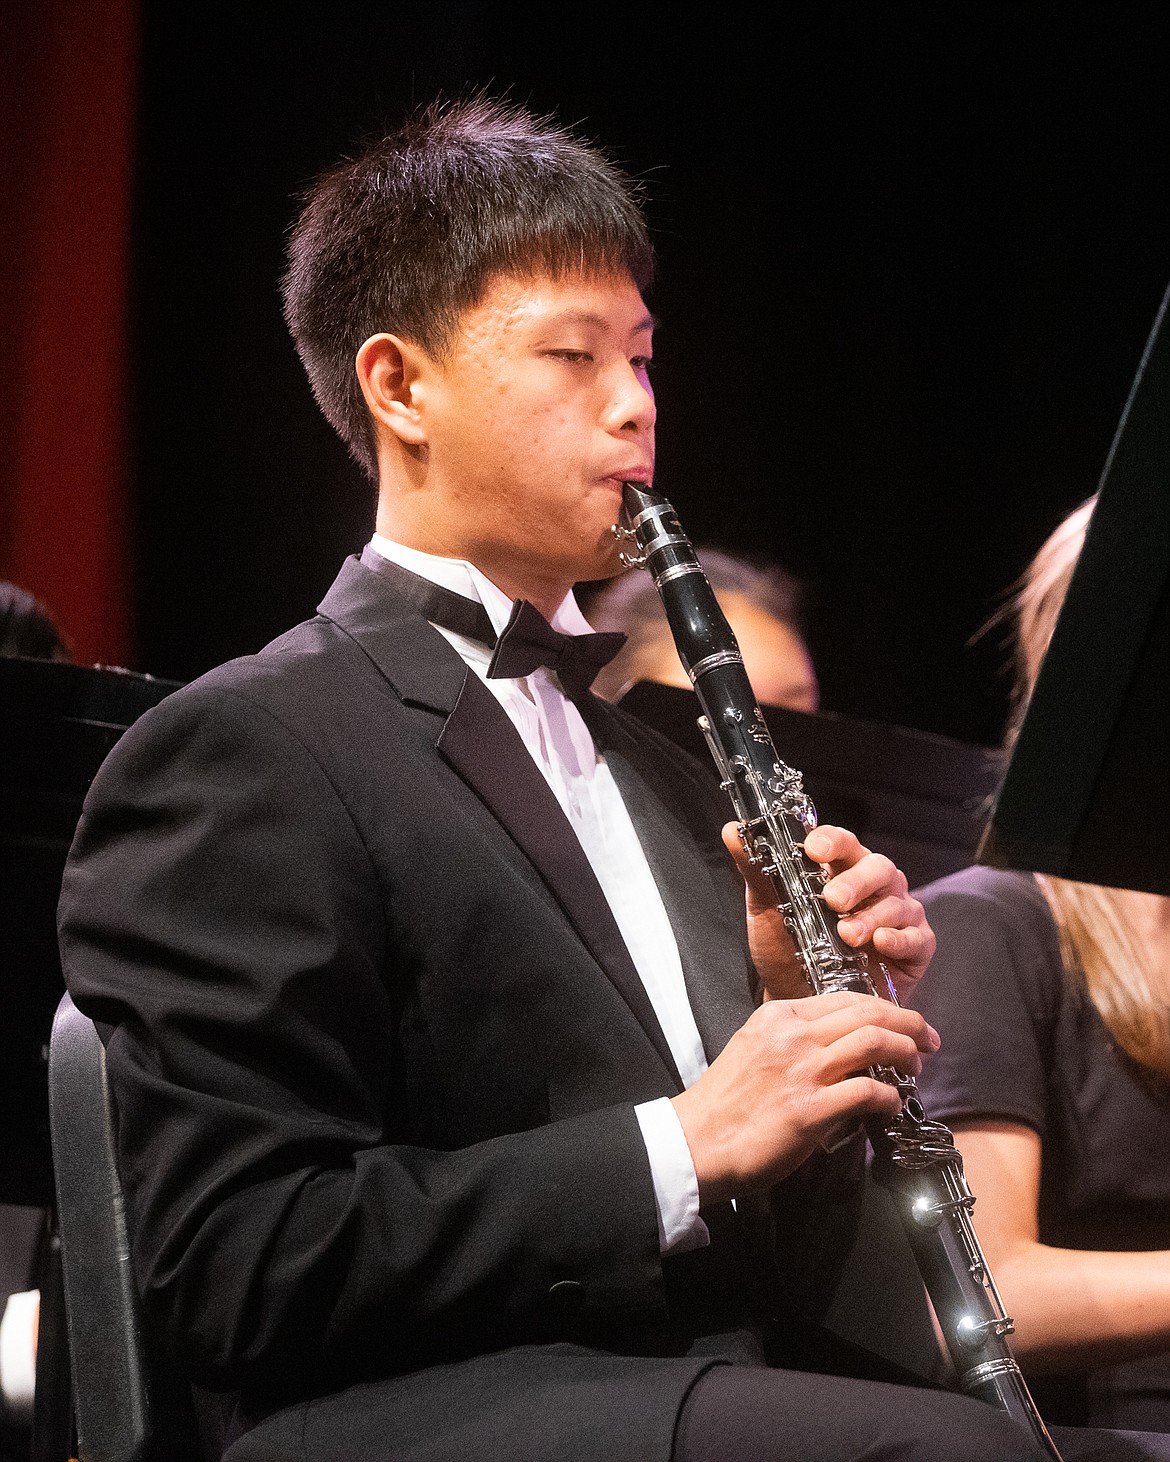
{"points": [[222, 921]]}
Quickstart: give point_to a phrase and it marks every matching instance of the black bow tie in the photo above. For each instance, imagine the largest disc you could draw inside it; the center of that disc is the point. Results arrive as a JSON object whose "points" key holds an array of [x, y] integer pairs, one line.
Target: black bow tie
{"points": [[526, 642]]}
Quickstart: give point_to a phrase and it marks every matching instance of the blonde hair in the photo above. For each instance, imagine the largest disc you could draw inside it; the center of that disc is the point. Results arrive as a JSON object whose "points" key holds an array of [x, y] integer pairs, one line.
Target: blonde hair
{"points": [[1100, 953]]}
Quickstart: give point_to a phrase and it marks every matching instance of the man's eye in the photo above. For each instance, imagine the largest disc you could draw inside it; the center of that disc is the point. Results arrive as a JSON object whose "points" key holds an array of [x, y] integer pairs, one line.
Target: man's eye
{"points": [[574, 357], [643, 363]]}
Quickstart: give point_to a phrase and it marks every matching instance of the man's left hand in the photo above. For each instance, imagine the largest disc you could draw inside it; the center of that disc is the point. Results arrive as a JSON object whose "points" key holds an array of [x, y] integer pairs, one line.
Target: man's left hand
{"points": [[867, 892]]}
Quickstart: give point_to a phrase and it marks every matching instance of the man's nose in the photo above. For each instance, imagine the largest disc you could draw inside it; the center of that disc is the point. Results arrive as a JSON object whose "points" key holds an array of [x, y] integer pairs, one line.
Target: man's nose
{"points": [[632, 405]]}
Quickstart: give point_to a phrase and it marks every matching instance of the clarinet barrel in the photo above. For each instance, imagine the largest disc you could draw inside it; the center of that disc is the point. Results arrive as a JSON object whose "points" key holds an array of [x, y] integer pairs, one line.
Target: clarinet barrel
{"points": [[914, 1158]]}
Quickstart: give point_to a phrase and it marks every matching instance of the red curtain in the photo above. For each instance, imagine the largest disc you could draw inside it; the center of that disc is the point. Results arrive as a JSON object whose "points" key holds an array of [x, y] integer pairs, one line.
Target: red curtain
{"points": [[67, 87]]}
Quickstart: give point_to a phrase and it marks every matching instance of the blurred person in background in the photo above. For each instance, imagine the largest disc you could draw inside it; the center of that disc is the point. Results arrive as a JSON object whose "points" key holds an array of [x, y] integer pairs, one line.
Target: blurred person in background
{"points": [[27, 628], [1053, 1002], [762, 604]]}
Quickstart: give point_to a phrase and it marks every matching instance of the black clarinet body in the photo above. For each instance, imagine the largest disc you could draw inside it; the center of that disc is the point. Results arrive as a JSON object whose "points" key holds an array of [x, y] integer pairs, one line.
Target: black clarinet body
{"points": [[914, 1158]]}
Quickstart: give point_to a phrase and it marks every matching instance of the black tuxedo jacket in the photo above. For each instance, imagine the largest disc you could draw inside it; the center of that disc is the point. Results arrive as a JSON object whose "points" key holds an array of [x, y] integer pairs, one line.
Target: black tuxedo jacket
{"points": [[375, 1044]]}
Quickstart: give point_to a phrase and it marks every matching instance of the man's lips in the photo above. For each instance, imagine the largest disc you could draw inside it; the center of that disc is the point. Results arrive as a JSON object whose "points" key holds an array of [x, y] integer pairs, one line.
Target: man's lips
{"points": [[640, 473]]}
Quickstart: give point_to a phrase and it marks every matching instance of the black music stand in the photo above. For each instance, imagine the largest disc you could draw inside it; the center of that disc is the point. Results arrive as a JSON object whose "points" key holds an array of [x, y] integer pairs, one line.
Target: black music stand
{"points": [[919, 798], [56, 726], [1086, 795]]}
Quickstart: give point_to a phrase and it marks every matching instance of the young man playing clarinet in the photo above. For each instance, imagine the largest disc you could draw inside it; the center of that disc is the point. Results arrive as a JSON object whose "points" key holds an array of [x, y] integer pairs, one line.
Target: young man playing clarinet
{"points": [[461, 1112]]}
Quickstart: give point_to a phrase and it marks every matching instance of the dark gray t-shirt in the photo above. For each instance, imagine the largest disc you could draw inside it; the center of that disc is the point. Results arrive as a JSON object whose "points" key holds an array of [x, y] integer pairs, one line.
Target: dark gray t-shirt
{"points": [[1022, 1044]]}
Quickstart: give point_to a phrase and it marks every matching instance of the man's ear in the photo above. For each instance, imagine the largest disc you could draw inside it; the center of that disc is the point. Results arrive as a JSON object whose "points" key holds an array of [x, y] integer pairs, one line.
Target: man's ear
{"points": [[390, 371]]}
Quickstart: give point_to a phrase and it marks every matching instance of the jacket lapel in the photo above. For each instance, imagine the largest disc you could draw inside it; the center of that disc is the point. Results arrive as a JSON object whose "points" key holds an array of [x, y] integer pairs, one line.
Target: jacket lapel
{"points": [[483, 746], [477, 740]]}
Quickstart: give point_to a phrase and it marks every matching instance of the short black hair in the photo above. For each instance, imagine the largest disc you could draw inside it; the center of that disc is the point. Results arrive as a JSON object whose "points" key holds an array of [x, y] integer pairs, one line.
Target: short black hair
{"points": [[404, 237]]}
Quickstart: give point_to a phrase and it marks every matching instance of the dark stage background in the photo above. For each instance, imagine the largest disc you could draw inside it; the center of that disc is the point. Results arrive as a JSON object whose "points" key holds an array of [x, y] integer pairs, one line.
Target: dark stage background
{"points": [[909, 257]]}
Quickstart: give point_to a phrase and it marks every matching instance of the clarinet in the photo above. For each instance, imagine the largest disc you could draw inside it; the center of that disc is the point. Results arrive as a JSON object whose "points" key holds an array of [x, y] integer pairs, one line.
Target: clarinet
{"points": [[914, 1158]]}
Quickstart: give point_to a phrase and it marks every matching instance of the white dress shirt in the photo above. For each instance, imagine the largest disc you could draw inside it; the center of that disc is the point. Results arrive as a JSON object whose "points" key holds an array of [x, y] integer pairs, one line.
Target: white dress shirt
{"points": [[558, 741]]}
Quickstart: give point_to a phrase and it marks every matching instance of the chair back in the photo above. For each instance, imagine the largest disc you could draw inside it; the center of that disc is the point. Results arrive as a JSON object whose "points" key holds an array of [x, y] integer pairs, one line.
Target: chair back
{"points": [[130, 1404]]}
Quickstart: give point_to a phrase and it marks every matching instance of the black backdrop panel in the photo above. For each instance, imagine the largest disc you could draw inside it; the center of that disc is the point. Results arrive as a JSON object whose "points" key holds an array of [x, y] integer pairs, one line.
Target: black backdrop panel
{"points": [[908, 258]]}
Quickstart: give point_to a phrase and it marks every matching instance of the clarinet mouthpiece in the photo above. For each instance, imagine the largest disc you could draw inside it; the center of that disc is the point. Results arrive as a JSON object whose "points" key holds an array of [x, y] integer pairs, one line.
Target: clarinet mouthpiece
{"points": [[636, 498]]}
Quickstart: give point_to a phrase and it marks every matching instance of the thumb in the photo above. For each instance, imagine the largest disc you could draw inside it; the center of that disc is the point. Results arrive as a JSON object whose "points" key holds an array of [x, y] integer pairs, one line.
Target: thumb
{"points": [[760, 893]]}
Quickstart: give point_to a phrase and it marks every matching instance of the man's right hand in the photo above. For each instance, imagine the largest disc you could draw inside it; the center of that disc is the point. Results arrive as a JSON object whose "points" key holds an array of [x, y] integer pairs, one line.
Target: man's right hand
{"points": [[788, 1079]]}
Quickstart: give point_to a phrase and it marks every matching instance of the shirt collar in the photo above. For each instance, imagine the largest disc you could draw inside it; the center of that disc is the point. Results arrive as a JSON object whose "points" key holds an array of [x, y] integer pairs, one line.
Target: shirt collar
{"points": [[462, 577]]}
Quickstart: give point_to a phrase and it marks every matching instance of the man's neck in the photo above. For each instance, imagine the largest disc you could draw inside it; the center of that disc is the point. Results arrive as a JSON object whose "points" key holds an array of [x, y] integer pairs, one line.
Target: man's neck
{"points": [[545, 594], [426, 561], [414, 510]]}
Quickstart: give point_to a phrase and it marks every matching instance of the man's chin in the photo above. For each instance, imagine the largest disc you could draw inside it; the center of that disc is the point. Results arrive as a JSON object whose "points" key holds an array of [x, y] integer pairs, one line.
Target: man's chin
{"points": [[606, 563], [612, 570]]}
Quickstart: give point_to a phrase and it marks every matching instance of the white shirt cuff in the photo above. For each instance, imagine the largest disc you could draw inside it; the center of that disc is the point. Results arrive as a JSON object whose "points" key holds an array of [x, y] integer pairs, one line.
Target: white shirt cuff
{"points": [[18, 1354], [676, 1188]]}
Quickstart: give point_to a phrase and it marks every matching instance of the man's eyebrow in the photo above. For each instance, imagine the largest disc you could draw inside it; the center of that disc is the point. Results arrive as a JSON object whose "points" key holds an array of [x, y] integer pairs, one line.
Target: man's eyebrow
{"points": [[599, 322]]}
